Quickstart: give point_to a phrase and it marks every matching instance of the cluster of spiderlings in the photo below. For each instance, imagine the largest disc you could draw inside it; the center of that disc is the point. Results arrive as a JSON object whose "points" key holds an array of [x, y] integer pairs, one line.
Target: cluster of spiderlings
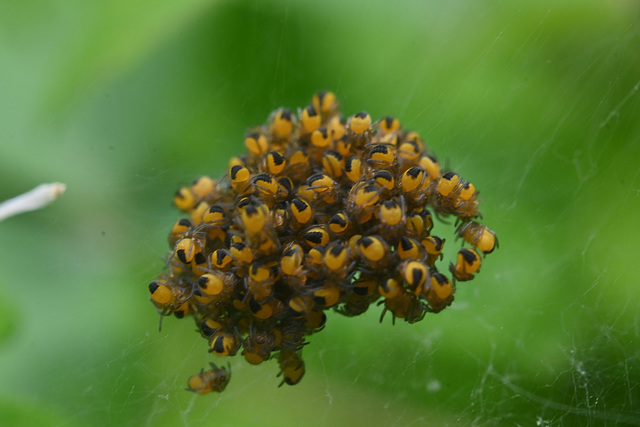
{"points": [[322, 212]]}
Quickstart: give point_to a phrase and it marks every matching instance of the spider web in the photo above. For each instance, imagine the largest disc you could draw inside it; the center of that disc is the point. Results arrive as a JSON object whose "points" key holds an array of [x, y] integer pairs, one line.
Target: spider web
{"points": [[537, 105]]}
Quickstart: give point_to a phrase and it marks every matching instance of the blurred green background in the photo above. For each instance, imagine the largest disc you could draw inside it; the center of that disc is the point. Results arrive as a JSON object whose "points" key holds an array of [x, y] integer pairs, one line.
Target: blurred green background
{"points": [[537, 103]]}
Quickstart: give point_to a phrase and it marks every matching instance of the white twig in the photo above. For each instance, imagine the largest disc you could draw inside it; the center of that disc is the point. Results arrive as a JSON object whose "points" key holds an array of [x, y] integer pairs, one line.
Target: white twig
{"points": [[37, 198]]}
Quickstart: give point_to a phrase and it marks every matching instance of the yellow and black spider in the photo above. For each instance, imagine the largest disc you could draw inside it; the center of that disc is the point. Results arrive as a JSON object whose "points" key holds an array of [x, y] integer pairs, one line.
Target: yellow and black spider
{"points": [[322, 212]]}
